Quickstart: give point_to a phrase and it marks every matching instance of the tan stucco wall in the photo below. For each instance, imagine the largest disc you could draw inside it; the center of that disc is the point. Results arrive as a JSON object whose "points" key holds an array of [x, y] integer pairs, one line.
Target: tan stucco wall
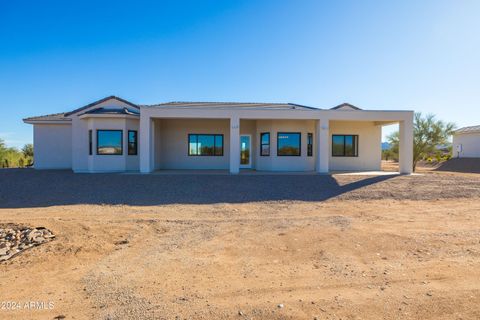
{"points": [[282, 163], [52, 146], [82, 162], [470, 145], [171, 142], [369, 145]]}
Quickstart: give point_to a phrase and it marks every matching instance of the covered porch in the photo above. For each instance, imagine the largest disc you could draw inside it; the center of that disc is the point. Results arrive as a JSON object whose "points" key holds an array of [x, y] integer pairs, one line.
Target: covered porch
{"points": [[310, 141]]}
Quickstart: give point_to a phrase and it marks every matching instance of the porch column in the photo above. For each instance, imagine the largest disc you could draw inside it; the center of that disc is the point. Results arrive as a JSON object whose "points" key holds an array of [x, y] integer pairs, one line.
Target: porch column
{"points": [[406, 146], [234, 145], [321, 143], [147, 134]]}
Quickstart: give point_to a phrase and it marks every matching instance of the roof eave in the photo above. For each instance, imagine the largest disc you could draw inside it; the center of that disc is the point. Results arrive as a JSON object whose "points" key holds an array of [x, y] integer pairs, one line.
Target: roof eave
{"points": [[33, 121]]}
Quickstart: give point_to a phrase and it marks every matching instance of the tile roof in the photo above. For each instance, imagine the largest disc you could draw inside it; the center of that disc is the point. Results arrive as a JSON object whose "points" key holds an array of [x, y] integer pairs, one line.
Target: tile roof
{"points": [[343, 105], [112, 111], [49, 117], [230, 105], [100, 101], [471, 129]]}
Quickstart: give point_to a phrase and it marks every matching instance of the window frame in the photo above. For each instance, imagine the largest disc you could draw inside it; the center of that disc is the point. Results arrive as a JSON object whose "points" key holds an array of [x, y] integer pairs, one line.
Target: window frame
{"points": [[136, 143], [214, 144], [265, 144], [299, 146], [90, 142], [309, 144], [121, 143], [355, 145]]}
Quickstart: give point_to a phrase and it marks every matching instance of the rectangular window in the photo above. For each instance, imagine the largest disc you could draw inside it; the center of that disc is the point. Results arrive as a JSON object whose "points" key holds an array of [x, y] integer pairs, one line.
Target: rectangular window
{"points": [[132, 143], [265, 144], [109, 142], [205, 144], [288, 143], [345, 145], [309, 144], [90, 142]]}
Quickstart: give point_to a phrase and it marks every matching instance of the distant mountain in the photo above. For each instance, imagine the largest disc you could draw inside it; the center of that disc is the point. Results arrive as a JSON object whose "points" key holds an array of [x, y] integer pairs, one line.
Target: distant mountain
{"points": [[385, 145]]}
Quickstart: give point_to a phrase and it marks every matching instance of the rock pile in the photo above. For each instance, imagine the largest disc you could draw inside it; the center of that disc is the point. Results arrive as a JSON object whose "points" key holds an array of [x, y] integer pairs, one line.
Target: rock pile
{"points": [[15, 239]]}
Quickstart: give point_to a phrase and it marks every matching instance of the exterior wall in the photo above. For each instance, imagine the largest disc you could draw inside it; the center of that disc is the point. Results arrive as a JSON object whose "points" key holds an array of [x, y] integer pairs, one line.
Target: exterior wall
{"points": [[285, 163], [470, 145], [110, 163], [369, 145], [171, 141], [82, 161], [171, 144], [52, 145]]}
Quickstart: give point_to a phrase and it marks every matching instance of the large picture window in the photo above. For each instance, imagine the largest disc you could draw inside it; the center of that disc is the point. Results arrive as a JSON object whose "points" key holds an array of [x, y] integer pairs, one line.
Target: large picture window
{"points": [[205, 144], [265, 144], [109, 142], [345, 145], [288, 144], [132, 143]]}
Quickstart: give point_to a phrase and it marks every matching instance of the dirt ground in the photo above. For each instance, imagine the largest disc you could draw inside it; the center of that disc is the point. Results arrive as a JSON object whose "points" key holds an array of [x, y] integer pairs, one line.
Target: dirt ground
{"points": [[221, 247]]}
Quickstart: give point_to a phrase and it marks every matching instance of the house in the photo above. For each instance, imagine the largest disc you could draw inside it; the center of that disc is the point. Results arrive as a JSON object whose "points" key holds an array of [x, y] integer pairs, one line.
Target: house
{"points": [[466, 142], [112, 135]]}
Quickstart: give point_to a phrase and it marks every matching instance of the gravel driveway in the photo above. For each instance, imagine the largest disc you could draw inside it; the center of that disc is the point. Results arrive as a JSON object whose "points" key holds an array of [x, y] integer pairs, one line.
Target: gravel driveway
{"points": [[31, 188]]}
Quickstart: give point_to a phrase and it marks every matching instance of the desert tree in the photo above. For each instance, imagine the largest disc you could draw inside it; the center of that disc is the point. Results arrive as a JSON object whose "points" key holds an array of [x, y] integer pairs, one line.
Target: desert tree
{"points": [[428, 133]]}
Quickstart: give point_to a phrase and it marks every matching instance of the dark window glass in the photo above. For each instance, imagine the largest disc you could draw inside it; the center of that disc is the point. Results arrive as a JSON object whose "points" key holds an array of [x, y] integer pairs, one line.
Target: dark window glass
{"points": [[109, 142], [265, 144], [345, 145], [310, 145], [288, 144], [219, 145], [132, 143], [205, 145], [90, 142]]}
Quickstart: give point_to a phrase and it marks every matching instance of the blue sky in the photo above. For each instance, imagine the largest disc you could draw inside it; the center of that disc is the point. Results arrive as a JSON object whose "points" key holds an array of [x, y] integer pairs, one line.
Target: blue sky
{"points": [[59, 55]]}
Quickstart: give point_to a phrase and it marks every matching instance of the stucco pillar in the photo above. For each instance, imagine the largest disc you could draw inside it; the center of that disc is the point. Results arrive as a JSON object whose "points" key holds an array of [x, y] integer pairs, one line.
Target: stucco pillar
{"points": [[147, 134], [234, 145], [321, 142], [406, 146]]}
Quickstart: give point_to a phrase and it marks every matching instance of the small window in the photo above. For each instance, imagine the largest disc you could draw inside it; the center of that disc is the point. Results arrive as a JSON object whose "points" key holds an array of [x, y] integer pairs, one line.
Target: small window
{"points": [[265, 144], [288, 144], [309, 144], [345, 145], [90, 142], [109, 142], [132, 143], [205, 144]]}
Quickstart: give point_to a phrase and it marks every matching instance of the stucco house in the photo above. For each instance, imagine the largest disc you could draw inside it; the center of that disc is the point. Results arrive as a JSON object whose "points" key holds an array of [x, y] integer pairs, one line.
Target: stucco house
{"points": [[112, 135], [466, 142]]}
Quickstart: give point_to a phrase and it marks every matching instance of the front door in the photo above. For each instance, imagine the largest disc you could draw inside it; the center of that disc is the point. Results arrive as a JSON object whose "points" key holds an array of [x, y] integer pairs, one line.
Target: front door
{"points": [[245, 151]]}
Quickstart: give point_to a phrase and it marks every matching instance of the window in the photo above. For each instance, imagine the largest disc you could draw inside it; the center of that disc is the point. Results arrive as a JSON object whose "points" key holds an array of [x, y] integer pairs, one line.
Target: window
{"points": [[109, 142], [90, 142], [205, 144], [288, 143], [132, 143], [309, 144], [265, 144], [345, 145]]}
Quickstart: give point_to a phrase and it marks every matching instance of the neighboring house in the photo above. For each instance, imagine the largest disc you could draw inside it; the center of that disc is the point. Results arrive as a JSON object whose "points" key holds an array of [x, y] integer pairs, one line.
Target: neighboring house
{"points": [[466, 142], [113, 134]]}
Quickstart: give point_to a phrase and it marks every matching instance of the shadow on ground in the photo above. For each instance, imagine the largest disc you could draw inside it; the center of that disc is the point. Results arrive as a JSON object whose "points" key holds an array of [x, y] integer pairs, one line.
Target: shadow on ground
{"points": [[20, 188]]}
